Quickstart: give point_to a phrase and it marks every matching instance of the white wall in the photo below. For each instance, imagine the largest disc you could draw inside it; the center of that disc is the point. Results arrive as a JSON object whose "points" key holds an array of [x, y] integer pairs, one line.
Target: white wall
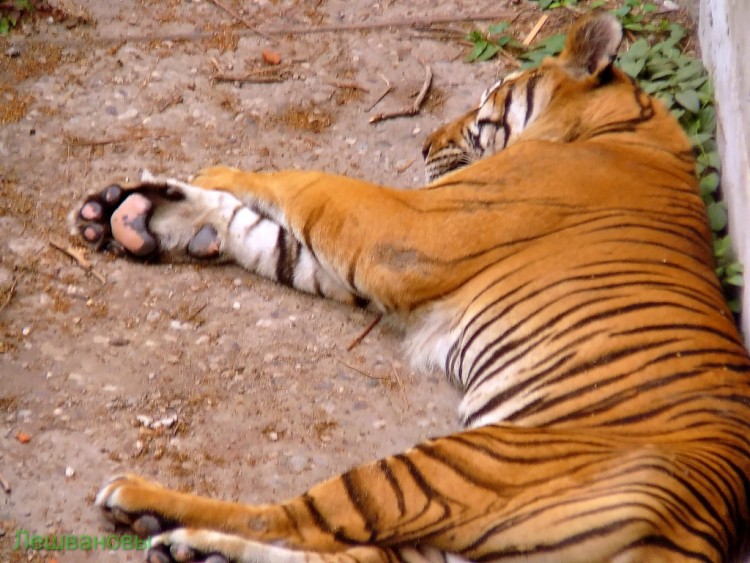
{"points": [[725, 43]]}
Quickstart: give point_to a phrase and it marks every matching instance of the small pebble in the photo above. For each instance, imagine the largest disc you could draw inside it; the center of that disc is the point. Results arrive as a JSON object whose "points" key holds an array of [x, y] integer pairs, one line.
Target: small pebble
{"points": [[297, 463], [378, 424], [69, 472], [129, 114]]}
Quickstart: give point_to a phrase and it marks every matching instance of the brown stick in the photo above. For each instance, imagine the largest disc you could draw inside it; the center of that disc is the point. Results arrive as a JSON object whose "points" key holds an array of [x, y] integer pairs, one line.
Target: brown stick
{"points": [[364, 333], [416, 107], [10, 294], [74, 141], [248, 24], [367, 375], [4, 484], [77, 255], [248, 79], [282, 30], [405, 167], [257, 76], [385, 92], [346, 84], [400, 385], [174, 99], [535, 30]]}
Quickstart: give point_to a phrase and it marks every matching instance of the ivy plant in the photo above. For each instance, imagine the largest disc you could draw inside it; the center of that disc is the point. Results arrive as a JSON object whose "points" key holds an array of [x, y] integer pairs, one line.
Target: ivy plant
{"points": [[682, 84], [11, 12]]}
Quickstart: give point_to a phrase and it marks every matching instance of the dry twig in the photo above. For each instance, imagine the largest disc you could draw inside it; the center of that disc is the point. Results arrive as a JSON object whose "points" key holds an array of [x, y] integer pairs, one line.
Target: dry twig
{"points": [[249, 79], [284, 30], [535, 30], [4, 484], [400, 385], [364, 333], [248, 24], [346, 84], [383, 94], [362, 372], [197, 312], [77, 255], [173, 100], [416, 106], [8, 297], [74, 141], [257, 76], [404, 167]]}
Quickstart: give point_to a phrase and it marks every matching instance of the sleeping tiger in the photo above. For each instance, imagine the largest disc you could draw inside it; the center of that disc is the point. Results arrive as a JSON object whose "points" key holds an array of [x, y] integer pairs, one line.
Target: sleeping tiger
{"points": [[558, 268]]}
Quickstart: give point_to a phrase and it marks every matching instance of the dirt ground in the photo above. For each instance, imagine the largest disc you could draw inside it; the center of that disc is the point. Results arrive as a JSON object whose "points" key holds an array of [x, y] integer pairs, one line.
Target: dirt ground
{"points": [[263, 397]]}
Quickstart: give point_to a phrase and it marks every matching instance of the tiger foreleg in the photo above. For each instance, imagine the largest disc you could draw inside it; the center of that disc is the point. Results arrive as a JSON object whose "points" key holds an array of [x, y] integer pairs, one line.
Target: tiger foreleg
{"points": [[170, 220], [188, 545]]}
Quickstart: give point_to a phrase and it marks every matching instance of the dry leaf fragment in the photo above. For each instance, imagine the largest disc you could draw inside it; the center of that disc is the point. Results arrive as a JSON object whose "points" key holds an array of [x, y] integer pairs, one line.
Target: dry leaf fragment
{"points": [[23, 437], [270, 57]]}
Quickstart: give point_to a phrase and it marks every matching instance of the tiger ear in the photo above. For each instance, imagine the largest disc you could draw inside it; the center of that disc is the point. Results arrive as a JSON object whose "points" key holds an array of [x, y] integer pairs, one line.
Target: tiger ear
{"points": [[592, 44]]}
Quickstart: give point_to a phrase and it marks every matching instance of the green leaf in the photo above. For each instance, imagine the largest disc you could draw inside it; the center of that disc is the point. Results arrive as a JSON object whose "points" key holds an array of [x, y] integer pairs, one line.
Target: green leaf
{"points": [[734, 305], [638, 49], [722, 246], [634, 26], [676, 32], [477, 51], [692, 69], [488, 53], [498, 28], [734, 268], [713, 159], [735, 280], [622, 11], [632, 68], [699, 138], [709, 183], [554, 43], [689, 100], [717, 215]]}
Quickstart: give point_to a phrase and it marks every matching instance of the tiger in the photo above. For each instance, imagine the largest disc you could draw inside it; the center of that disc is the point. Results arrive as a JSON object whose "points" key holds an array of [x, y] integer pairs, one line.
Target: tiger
{"points": [[558, 267]]}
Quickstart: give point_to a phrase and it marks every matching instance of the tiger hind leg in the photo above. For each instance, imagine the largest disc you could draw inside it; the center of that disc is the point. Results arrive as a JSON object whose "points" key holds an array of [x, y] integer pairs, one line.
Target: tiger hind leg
{"points": [[169, 220], [489, 493]]}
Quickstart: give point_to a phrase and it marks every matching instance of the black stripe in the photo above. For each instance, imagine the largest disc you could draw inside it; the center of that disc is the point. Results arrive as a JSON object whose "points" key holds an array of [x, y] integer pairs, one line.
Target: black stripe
{"points": [[530, 90], [284, 266], [391, 478]]}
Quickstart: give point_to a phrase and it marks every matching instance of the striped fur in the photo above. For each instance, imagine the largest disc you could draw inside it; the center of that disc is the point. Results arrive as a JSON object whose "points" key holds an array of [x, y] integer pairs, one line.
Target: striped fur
{"points": [[559, 269]]}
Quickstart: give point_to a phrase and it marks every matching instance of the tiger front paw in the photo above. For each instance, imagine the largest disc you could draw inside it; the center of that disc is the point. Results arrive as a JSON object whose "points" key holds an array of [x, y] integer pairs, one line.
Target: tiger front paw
{"points": [[132, 501], [153, 218]]}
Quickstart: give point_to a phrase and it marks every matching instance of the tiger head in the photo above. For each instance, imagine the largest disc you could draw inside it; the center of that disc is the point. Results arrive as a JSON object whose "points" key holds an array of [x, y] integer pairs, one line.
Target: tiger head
{"points": [[546, 103]]}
